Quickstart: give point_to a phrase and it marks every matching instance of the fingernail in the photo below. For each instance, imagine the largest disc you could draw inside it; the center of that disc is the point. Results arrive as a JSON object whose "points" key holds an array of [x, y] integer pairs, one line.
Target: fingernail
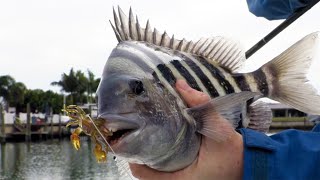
{"points": [[183, 85]]}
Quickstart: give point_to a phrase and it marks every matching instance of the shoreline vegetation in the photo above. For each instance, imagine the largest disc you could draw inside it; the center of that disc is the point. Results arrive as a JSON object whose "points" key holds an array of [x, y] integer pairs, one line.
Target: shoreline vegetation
{"points": [[77, 87], [31, 114]]}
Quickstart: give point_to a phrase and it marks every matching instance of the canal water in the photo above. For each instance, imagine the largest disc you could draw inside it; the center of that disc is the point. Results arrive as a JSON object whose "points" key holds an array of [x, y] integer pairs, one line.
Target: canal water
{"points": [[54, 159]]}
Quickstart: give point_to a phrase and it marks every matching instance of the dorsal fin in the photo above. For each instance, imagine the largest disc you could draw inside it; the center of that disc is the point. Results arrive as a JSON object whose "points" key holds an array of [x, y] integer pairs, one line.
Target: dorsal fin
{"points": [[221, 50]]}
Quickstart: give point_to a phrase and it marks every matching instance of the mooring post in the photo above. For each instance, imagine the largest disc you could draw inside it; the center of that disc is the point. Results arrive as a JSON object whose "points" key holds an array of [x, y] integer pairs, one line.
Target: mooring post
{"points": [[59, 126], [51, 123], [28, 130], [3, 155], [3, 127], [46, 125], [90, 110]]}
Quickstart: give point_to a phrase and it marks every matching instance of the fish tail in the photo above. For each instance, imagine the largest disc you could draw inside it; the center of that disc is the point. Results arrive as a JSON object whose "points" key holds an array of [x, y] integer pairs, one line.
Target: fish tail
{"points": [[286, 76]]}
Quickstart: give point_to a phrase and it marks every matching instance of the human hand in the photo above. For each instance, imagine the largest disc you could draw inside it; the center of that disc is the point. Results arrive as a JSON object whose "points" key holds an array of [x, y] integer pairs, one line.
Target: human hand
{"points": [[216, 160]]}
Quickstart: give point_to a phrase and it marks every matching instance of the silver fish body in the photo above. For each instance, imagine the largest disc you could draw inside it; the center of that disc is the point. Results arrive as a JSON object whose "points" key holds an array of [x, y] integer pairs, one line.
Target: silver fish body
{"points": [[152, 125]]}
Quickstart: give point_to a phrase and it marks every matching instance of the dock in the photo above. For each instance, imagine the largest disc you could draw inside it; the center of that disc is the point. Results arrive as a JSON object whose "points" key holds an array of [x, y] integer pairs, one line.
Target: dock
{"points": [[14, 132], [291, 123], [37, 132], [30, 131]]}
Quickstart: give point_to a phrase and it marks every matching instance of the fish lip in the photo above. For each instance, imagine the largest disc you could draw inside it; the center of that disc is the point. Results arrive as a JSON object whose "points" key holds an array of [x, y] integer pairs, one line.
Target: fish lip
{"points": [[116, 122], [119, 121]]}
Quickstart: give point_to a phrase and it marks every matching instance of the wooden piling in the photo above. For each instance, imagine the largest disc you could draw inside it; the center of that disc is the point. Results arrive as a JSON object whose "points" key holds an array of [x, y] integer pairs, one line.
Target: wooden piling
{"points": [[51, 123], [3, 155], [46, 125], [28, 130], [60, 126], [3, 127], [90, 110]]}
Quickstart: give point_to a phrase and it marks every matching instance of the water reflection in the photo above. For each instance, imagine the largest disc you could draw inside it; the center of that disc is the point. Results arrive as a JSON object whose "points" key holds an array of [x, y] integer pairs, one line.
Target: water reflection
{"points": [[54, 160]]}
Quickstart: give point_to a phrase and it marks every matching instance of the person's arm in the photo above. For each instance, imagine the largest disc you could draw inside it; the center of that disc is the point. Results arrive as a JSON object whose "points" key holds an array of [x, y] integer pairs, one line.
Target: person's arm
{"points": [[275, 9], [290, 154]]}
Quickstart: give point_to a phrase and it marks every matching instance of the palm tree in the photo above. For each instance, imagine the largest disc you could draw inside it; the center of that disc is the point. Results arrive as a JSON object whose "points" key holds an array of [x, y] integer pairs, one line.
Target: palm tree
{"points": [[91, 86], [74, 83], [96, 85], [68, 83], [82, 85]]}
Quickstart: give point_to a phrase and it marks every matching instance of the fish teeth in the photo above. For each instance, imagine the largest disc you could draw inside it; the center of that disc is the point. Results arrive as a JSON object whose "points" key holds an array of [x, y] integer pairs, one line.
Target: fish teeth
{"points": [[112, 129]]}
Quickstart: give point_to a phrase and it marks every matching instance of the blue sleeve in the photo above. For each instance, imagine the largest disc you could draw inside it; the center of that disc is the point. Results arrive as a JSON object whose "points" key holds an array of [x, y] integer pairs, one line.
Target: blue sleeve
{"points": [[275, 9], [291, 154]]}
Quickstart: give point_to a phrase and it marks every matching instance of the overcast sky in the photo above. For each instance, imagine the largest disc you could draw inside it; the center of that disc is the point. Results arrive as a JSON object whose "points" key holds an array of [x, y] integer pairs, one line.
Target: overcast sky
{"points": [[41, 39]]}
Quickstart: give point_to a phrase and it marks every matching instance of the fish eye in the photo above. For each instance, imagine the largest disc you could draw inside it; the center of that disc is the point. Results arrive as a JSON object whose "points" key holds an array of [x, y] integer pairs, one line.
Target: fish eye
{"points": [[136, 87]]}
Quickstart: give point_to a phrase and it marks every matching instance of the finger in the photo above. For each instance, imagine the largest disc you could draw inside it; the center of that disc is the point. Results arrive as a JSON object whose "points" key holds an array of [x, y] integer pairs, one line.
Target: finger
{"points": [[143, 172], [191, 96]]}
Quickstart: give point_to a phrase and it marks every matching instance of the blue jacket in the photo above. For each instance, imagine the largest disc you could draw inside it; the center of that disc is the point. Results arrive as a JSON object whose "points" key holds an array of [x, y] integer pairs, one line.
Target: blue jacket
{"points": [[290, 154], [275, 9]]}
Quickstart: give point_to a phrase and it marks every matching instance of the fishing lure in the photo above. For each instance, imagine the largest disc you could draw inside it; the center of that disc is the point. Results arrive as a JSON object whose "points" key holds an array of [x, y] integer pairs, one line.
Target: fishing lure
{"points": [[85, 124]]}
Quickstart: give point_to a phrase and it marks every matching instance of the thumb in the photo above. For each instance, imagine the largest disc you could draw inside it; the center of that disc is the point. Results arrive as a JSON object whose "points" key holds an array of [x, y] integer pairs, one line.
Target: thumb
{"points": [[143, 172], [191, 96]]}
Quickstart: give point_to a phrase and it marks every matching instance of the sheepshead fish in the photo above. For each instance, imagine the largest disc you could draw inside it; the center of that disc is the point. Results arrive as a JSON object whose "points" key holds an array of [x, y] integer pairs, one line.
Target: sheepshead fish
{"points": [[152, 125]]}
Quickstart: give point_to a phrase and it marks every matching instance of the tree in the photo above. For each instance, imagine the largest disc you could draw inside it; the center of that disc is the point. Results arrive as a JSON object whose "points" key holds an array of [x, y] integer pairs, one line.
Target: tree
{"points": [[16, 95], [68, 83], [92, 86], [82, 86], [74, 83], [53, 100], [77, 84], [5, 83], [13, 92], [41, 101]]}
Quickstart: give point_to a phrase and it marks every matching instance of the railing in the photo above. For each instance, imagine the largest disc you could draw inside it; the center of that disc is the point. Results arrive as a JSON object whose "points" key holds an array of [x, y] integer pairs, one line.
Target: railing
{"points": [[291, 123]]}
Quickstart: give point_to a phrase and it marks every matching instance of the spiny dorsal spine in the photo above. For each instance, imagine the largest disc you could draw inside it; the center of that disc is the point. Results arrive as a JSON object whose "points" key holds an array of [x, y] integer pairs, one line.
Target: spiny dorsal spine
{"points": [[219, 49]]}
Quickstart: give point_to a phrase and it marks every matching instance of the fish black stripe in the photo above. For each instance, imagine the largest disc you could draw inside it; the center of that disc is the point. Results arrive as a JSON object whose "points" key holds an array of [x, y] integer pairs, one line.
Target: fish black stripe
{"points": [[185, 73], [204, 79], [241, 82], [157, 80], [155, 76], [216, 73], [261, 80], [167, 74]]}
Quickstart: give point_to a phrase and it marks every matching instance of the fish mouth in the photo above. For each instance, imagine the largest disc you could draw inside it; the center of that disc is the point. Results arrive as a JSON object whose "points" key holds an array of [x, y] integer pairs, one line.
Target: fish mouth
{"points": [[120, 126]]}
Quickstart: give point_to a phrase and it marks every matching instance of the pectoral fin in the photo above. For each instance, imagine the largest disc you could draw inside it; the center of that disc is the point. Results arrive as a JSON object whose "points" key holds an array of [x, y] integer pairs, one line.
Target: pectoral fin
{"points": [[209, 116]]}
